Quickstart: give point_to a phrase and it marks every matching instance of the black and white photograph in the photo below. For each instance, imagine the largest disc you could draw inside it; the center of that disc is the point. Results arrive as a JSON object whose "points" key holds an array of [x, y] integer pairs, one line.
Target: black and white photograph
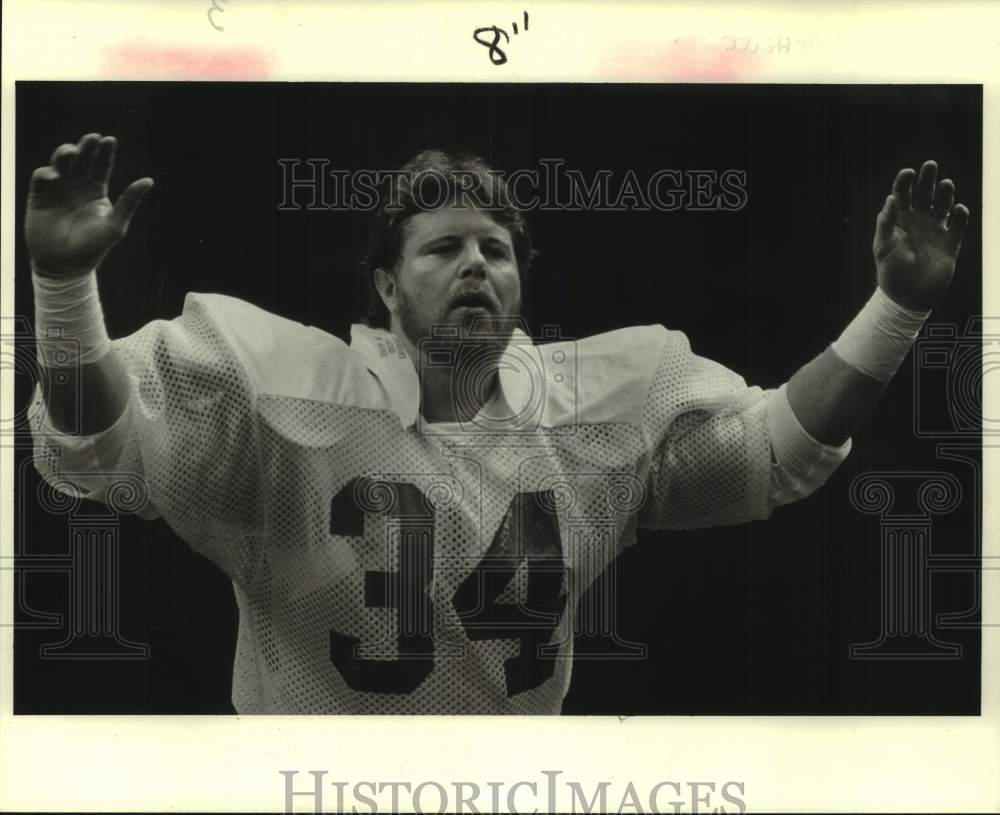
{"points": [[591, 401], [399, 399]]}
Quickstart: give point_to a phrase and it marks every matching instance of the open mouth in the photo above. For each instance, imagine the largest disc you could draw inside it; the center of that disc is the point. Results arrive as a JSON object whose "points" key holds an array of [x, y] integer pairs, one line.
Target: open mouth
{"points": [[474, 300]]}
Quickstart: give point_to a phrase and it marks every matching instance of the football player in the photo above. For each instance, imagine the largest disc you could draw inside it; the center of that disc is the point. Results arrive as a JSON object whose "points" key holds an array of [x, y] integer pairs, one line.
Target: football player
{"points": [[409, 519]]}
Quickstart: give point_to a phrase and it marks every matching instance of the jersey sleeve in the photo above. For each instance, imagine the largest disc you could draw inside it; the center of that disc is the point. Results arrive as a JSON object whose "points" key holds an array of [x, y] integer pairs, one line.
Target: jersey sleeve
{"points": [[188, 435], [706, 434]]}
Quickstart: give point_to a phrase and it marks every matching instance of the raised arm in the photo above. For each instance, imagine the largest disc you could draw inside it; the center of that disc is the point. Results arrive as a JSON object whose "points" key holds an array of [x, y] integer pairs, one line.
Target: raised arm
{"points": [[70, 226], [917, 239]]}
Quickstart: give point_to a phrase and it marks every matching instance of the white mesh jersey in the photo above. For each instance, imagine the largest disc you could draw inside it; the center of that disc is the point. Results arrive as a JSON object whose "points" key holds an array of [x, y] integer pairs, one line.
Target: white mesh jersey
{"points": [[382, 565]]}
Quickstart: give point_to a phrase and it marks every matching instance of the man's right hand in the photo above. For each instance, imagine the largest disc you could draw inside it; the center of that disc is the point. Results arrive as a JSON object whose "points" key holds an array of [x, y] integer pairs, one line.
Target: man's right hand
{"points": [[71, 223]]}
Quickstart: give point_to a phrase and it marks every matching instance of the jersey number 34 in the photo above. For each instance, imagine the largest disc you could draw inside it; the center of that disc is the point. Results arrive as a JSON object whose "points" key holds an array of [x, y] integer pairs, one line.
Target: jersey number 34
{"points": [[529, 533]]}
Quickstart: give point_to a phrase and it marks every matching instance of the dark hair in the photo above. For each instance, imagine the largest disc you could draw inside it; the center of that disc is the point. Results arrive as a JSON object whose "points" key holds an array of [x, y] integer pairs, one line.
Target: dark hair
{"points": [[430, 180]]}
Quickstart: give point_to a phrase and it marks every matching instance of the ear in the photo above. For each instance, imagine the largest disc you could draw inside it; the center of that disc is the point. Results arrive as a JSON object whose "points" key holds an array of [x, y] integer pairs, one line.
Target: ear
{"points": [[385, 282]]}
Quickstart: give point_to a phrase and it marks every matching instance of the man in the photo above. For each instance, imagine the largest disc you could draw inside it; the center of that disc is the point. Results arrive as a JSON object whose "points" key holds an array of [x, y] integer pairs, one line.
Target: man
{"points": [[410, 520]]}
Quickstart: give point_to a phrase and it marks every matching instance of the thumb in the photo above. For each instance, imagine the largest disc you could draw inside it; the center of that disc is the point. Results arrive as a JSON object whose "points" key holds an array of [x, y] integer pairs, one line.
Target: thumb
{"points": [[886, 219], [128, 201]]}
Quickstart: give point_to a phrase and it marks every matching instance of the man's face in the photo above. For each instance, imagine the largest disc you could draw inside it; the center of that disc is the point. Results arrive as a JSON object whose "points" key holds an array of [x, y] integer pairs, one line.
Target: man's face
{"points": [[457, 267]]}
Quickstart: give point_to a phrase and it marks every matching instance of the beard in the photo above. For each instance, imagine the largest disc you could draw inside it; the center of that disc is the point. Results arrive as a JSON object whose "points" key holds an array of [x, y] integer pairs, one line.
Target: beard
{"points": [[473, 330], [471, 345]]}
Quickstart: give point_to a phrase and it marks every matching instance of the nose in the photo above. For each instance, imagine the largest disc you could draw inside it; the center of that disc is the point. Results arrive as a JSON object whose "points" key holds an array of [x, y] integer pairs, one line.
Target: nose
{"points": [[473, 263]]}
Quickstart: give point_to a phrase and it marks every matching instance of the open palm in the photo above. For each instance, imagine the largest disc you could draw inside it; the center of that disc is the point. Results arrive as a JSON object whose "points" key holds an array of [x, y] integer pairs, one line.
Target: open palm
{"points": [[71, 223], [917, 238]]}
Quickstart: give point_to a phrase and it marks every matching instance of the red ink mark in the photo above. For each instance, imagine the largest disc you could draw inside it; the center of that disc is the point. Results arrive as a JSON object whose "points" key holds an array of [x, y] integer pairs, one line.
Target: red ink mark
{"points": [[142, 61], [683, 61]]}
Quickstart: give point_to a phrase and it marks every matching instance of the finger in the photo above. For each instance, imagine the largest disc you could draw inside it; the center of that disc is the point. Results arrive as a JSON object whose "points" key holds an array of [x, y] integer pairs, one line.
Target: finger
{"points": [[923, 190], [944, 199], [43, 178], [62, 158], [84, 164], [886, 219], [957, 224], [128, 201], [901, 188], [104, 159]]}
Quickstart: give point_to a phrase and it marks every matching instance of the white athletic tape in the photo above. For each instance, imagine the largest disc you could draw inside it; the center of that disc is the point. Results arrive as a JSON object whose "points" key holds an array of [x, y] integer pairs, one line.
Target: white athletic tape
{"points": [[877, 340], [69, 322]]}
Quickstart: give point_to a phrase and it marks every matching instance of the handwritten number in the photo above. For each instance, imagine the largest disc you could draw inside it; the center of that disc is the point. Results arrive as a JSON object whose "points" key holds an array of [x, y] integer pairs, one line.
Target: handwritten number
{"points": [[497, 56], [215, 7]]}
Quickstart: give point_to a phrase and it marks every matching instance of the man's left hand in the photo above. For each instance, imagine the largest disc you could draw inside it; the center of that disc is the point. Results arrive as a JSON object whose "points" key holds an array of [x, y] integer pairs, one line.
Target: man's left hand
{"points": [[917, 237]]}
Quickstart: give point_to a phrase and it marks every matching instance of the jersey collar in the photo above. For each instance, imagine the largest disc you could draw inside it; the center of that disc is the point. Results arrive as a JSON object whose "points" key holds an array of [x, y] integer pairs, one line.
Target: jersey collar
{"points": [[520, 371]]}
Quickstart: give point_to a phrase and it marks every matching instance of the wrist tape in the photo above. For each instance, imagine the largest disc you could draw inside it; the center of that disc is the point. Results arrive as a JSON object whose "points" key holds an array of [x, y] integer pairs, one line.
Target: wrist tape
{"points": [[877, 340], [69, 322]]}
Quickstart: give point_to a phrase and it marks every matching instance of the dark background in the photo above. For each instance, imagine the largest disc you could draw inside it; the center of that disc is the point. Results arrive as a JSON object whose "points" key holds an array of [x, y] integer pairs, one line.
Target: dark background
{"points": [[754, 619]]}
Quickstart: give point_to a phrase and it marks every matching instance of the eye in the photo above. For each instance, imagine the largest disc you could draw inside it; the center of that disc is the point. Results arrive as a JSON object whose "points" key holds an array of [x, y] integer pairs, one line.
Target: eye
{"points": [[498, 250], [444, 248]]}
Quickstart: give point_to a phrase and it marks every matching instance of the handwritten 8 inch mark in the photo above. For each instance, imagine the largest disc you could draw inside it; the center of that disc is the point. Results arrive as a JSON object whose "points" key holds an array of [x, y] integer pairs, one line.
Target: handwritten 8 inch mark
{"points": [[497, 56], [216, 7]]}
